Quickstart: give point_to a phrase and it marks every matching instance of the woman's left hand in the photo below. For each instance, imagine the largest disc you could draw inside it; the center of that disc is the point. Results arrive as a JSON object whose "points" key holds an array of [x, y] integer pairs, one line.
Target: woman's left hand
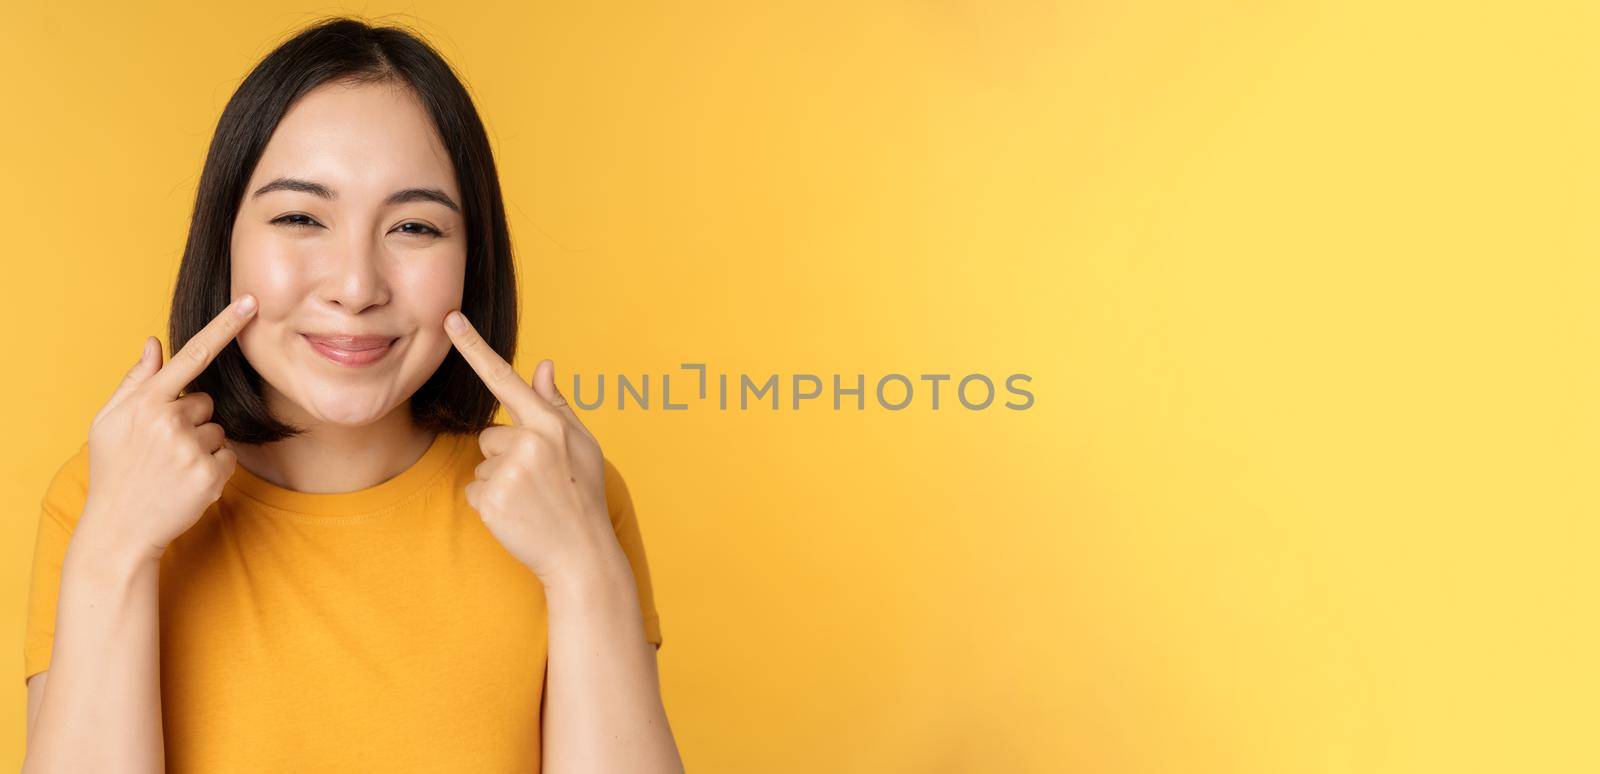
{"points": [[541, 486]]}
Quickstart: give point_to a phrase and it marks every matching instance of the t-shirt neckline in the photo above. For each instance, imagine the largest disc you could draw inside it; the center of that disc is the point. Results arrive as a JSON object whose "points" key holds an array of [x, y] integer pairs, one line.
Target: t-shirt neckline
{"points": [[373, 499]]}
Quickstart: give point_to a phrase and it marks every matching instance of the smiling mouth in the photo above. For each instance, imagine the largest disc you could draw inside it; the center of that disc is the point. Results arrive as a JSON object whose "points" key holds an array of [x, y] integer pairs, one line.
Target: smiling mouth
{"points": [[353, 351]]}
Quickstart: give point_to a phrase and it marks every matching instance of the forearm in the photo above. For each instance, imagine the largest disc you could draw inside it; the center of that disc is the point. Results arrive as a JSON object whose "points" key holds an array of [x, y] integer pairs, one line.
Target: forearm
{"points": [[603, 710], [101, 709]]}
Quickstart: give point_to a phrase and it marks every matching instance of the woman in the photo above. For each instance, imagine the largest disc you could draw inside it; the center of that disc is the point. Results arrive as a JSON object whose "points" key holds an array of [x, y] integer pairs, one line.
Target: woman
{"points": [[300, 544]]}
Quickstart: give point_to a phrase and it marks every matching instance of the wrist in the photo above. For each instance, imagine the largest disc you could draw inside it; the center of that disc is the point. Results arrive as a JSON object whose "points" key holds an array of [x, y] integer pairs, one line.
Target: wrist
{"points": [[600, 569], [97, 545], [100, 564]]}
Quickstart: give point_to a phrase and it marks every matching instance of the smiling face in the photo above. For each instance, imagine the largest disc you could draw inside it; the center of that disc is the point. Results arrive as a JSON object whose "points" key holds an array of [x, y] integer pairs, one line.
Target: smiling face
{"points": [[349, 236]]}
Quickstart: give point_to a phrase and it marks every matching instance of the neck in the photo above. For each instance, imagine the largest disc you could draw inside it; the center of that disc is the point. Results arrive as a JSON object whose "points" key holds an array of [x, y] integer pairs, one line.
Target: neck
{"points": [[330, 458]]}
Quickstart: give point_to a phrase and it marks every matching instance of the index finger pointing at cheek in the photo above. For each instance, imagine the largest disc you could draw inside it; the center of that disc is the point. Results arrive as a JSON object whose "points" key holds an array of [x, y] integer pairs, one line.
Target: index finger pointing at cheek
{"points": [[202, 348], [496, 373]]}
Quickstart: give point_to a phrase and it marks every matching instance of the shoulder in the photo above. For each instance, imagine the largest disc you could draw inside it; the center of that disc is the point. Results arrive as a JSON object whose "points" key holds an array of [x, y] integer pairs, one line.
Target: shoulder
{"points": [[64, 496]]}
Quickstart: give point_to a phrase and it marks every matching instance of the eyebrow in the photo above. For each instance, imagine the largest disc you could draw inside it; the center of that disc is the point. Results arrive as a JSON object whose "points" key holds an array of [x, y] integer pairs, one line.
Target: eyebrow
{"points": [[317, 189]]}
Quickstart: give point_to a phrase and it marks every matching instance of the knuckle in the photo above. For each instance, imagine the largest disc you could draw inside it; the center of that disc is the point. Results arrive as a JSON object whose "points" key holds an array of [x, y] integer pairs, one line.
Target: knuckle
{"points": [[528, 443], [495, 497], [504, 373], [188, 456], [151, 413]]}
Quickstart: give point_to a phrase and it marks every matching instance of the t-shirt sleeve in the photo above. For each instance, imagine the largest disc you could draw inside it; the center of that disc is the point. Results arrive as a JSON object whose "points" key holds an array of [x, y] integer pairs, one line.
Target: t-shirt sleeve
{"points": [[59, 510], [626, 523]]}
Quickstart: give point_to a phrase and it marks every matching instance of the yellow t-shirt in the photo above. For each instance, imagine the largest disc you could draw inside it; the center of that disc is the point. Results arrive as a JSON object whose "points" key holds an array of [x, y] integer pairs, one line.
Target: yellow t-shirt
{"points": [[379, 630]]}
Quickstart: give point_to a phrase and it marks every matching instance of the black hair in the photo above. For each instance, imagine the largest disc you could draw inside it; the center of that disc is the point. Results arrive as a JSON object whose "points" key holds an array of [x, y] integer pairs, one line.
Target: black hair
{"points": [[454, 399]]}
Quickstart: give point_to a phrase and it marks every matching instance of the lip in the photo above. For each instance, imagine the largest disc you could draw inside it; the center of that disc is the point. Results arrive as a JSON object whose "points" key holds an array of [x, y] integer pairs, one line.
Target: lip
{"points": [[352, 351]]}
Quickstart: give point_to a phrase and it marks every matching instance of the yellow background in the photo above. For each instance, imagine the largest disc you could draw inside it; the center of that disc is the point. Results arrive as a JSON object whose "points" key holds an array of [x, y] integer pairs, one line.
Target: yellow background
{"points": [[1307, 291]]}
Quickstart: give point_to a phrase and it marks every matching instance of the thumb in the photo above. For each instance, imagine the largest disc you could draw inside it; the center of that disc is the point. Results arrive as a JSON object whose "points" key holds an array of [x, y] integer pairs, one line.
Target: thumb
{"points": [[148, 364], [544, 382], [149, 359]]}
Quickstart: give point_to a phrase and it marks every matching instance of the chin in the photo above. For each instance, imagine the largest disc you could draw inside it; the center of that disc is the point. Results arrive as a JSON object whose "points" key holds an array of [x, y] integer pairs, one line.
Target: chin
{"points": [[345, 412]]}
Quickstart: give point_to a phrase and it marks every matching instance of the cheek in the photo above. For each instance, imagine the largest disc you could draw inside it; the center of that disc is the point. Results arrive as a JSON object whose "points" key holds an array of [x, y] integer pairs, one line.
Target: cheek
{"points": [[426, 291], [425, 294], [267, 268], [431, 291]]}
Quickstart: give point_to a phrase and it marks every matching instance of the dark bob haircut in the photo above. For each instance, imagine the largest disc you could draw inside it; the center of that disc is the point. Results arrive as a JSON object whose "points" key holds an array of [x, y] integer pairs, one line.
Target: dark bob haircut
{"points": [[454, 399]]}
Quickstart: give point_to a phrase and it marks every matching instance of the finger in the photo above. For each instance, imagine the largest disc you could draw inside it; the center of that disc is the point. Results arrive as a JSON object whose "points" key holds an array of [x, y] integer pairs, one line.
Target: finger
{"points": [[498, 375], [544, 383], [211, 436], [202, 348], [149, 362], [196, 407], [487, 468], [497, 440], [225, 460]]}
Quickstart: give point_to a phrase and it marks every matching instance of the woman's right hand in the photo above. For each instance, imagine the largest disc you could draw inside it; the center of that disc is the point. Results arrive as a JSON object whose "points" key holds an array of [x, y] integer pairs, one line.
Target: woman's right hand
{"points": [[156, 461]]}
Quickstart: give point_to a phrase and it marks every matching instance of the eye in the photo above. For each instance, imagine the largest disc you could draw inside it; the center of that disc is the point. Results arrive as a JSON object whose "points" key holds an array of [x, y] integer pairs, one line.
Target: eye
{"points": [[286, 220], [427, 230]]}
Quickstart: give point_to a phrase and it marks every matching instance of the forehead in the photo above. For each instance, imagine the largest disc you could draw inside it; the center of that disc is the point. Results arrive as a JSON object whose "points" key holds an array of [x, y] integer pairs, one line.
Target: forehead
{"points": [[363, 140]]}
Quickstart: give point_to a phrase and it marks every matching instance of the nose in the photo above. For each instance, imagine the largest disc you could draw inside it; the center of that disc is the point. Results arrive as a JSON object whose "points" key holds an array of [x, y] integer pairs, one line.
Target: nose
{"points": [[356, 280]]}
